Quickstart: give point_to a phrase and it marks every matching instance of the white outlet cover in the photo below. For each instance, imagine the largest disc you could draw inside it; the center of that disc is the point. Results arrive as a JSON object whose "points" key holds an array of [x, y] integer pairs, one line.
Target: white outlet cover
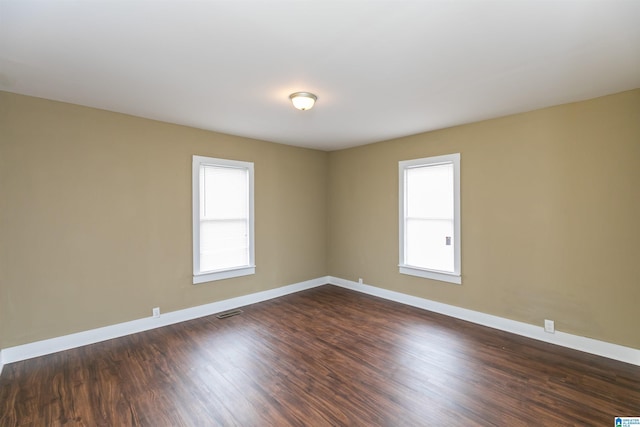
{"points": [[156, 312], [549, 326]]}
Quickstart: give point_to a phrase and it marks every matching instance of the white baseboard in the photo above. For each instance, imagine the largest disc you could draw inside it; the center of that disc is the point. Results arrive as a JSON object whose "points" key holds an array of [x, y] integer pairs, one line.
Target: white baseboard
{"points": [[588, 345], [53, 345]]}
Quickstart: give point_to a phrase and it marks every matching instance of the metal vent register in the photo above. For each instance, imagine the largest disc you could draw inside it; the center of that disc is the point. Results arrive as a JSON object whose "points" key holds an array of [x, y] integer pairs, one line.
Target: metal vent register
{"points": [[229, 313]]}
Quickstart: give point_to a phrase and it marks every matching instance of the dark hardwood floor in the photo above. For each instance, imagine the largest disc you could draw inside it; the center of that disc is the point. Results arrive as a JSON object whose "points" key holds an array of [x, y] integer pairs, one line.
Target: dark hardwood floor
{"points": [[323, 357]]}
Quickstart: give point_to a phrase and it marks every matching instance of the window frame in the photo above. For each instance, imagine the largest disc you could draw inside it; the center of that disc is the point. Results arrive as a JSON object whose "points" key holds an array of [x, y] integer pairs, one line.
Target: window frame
{"points": [[226, 273], [445, 276]]}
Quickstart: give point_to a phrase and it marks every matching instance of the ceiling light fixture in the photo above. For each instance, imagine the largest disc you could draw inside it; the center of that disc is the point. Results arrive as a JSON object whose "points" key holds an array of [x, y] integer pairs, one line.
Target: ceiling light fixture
{"points": [[303, 100]]}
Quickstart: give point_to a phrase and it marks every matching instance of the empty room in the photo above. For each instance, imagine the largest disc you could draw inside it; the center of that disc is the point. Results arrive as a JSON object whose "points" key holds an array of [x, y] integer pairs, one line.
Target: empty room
{"points": [[319, 213]]}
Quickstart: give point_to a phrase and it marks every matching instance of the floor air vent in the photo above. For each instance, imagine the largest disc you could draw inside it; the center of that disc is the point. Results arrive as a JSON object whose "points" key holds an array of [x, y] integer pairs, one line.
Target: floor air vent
{"points": [[226, 314]]}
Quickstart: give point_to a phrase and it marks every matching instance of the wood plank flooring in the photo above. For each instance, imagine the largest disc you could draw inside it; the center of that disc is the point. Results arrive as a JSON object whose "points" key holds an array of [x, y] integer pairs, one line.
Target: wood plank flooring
{"points": [[322, 357]]}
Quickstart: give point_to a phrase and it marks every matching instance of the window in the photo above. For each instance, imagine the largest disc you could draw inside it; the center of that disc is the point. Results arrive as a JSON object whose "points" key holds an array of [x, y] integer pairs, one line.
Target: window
{"points": [[430, 217], [223, 230]]}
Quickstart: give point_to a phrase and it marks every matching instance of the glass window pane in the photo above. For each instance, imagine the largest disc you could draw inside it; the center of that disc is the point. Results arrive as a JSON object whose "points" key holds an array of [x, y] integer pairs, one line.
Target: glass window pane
{"points": [[426, 244], [430, 192], [224, 192], [223, 244]]}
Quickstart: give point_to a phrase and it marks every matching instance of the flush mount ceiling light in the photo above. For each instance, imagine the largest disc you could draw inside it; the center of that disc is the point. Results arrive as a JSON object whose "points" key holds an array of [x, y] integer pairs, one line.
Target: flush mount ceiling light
{"points": [[303, 100]]}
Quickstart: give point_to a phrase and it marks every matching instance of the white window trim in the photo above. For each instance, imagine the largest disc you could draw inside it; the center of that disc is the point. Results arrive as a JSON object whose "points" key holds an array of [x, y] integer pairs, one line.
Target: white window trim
{"points": [[445, 276], [209, 276]]}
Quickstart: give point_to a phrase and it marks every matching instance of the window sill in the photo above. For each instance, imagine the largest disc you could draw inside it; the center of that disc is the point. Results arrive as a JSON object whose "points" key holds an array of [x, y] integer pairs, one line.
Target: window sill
{"points": [[223, 274], [431, 274]]}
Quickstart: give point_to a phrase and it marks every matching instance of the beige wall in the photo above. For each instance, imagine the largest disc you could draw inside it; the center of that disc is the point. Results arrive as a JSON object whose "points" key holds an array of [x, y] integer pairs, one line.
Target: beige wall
{"points": [[95, 212], [95, 217], [550, 216]]}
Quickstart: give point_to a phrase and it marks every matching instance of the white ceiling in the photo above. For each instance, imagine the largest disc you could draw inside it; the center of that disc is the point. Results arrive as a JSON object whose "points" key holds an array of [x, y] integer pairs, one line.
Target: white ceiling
{"points": [[381, 69]]}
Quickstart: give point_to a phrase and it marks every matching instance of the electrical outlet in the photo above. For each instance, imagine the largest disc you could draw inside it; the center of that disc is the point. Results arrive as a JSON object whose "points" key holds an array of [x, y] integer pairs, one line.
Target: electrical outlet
{"points": [[549, 326], [360, 280], [156, 312]]}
